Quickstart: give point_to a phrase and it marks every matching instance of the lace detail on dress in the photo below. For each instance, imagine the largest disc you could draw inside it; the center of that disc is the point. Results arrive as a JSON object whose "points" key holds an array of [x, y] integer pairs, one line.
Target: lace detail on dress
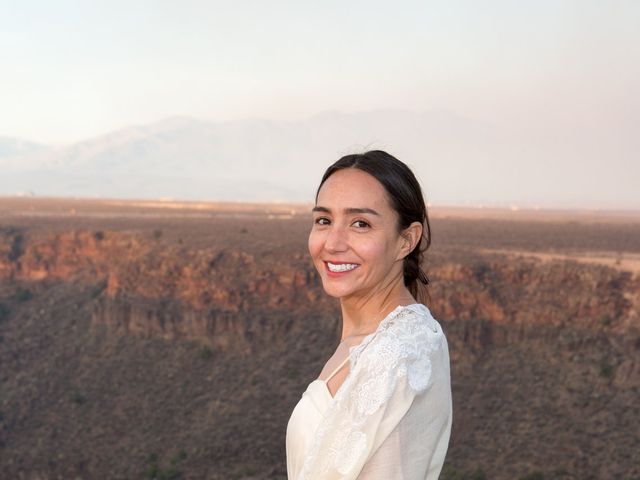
{"points": [[399, 350]]}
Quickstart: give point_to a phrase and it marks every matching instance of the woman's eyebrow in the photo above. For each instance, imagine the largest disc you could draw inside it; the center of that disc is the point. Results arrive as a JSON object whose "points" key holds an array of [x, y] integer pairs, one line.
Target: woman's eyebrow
{"points": [[348, 211]]}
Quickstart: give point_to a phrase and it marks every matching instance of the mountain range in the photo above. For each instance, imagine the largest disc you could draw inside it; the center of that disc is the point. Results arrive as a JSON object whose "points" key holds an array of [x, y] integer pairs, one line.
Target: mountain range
{"points": [[458, 160]]}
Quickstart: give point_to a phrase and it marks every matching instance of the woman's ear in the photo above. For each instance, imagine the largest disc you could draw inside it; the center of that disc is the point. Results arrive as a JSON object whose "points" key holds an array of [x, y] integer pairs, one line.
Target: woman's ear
{"points": [[410, 237]]}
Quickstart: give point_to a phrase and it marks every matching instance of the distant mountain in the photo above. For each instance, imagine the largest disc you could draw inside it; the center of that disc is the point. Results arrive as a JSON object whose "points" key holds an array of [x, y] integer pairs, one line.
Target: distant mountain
{"points": [[253, 159], [458, 160], [11, 147]]}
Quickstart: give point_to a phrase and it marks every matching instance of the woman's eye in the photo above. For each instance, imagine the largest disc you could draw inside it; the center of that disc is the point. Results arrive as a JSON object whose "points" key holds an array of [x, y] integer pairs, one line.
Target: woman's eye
{"points": [[321, 221], [362, 223]]}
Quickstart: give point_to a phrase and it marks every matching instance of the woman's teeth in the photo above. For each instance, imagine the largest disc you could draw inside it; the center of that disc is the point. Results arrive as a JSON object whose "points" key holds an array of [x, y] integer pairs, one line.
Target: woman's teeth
{"points": [[342, 267]]}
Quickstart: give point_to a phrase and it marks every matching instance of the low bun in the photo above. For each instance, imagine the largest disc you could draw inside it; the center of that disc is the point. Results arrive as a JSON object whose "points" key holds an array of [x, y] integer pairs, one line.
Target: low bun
{"points": [[415, 278]]}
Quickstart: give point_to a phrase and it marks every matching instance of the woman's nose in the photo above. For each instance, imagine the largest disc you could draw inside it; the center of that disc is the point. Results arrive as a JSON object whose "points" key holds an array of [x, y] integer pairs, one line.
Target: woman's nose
{"points": [[336, 239]]}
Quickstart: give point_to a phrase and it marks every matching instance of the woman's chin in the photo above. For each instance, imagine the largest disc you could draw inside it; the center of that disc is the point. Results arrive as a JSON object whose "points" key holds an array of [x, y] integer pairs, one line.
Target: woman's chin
{"points": [[337, 291]]}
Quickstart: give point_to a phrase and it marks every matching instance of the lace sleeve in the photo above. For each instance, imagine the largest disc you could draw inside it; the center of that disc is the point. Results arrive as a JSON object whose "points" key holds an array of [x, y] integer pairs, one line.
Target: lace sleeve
{"points": [[387, 374]]}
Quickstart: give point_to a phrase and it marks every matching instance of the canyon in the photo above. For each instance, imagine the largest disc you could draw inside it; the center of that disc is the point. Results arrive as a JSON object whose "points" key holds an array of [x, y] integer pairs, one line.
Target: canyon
{"points": [[166, 340]]}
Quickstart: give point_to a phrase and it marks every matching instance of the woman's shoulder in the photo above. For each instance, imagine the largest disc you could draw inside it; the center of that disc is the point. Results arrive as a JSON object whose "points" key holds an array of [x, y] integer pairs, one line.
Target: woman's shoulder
{"points": [[411, 327], [404, 346], [417, 317]]}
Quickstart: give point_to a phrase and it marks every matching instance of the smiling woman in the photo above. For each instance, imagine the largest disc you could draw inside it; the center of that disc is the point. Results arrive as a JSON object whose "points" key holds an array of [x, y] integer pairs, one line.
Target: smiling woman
{"points": [[381, 407]]}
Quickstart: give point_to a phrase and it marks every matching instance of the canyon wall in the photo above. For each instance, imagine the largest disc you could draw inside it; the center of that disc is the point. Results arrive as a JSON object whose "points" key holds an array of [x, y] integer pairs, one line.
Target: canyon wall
{"points": [[144, 288]]}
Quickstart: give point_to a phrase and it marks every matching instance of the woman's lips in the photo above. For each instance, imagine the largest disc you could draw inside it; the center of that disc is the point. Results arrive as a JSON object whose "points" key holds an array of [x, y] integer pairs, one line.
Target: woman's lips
{"points": [[339, 270]]}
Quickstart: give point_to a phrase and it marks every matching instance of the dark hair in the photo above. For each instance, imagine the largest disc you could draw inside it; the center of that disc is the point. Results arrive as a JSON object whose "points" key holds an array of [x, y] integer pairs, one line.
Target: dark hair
{"points": [[406, 199]]}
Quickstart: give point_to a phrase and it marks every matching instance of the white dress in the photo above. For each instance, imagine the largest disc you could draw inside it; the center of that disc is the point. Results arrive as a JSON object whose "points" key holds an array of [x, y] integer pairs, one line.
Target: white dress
{"points": [[391, 417]]}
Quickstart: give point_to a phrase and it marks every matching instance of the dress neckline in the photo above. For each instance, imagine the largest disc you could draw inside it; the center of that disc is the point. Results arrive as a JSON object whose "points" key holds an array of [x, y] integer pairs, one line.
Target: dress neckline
{"points": [[391, 315], [325, 388]]}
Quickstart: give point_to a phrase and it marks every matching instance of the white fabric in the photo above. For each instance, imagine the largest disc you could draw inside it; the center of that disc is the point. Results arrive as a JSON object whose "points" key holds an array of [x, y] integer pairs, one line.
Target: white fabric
{"points": [[390, 419]]}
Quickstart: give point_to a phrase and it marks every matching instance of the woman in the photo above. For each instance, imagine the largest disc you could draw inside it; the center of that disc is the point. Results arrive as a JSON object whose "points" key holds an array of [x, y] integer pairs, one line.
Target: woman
{"points": [[381, 407]]}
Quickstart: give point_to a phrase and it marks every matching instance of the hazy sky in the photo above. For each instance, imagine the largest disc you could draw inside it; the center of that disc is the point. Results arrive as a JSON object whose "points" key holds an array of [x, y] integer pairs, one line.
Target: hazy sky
{"points": [[75, 69]]}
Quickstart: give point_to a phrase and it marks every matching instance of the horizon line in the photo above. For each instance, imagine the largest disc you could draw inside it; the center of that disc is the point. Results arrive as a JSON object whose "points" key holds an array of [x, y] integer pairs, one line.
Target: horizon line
{"points": [[199, 203]]}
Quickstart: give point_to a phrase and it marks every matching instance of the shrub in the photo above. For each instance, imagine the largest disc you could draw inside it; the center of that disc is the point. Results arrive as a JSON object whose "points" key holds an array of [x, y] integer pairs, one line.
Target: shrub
{"points": [[23, 295], [4, 312], [537, 475], [179, 455], [155, 472], [478, 474], [98, 289], [78, 398], [170, 473], [17, 247], [206, 353], [606, 369], [451, 473], [605, 320]]}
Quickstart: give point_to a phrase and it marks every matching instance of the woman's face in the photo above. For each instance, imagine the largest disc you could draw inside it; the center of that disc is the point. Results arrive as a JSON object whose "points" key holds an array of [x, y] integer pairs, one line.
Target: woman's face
{"points": [[354, 241]]}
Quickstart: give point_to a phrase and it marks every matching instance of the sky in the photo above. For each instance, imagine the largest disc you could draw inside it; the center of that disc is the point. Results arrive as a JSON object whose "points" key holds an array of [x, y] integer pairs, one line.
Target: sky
{"points": [[561, 74], [75, 69]]}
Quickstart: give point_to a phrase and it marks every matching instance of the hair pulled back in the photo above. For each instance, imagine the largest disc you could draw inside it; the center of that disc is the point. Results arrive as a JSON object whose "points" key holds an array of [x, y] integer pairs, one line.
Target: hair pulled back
{"points": [[406, 199]]}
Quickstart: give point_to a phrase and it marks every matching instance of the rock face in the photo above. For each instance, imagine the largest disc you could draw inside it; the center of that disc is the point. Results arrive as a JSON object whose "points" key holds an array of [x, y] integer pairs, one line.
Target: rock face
{"points": [[543, 353], [173, 291], [149, 289]]}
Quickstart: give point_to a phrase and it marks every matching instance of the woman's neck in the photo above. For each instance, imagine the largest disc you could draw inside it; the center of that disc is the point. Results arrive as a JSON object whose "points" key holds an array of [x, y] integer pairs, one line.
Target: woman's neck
{"points": [[362, 315]]}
